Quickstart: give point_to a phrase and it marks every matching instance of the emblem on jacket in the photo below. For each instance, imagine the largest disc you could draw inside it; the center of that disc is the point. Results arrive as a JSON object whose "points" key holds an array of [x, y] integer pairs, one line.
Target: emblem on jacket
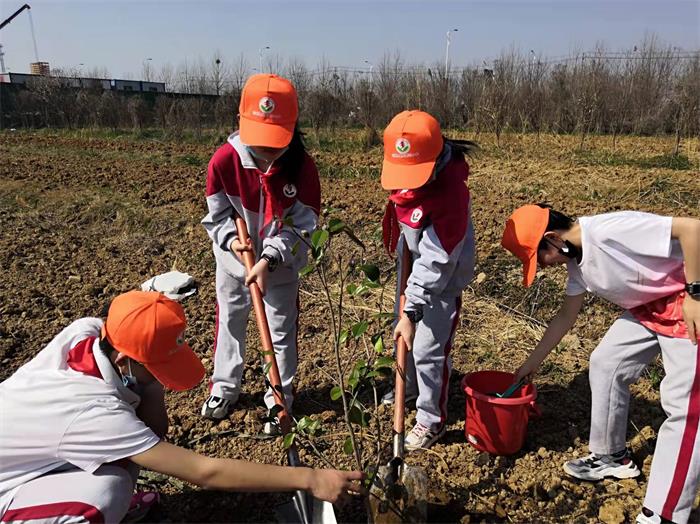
{"points": [[416, 215], [290, 190]]}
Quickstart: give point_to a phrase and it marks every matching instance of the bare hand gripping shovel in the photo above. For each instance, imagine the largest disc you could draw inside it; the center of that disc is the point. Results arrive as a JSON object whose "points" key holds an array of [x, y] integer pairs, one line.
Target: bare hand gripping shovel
{"points": [[303, 508], [400, 491]]}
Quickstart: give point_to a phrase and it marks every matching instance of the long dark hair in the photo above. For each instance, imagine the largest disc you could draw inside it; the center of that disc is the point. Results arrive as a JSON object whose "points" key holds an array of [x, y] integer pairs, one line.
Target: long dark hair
{"points": [[558, 221], [464, 147], [293, 159]]}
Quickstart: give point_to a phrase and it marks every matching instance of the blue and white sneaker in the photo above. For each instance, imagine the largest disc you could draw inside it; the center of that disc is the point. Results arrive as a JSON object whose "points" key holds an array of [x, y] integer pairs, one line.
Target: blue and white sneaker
{"points": [[597, 467]]}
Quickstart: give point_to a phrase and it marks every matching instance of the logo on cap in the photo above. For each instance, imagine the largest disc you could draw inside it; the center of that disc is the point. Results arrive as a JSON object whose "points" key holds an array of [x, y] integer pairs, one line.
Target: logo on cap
{"points": [[402, 145], [416, 215], [266, 105], [289, 190]]}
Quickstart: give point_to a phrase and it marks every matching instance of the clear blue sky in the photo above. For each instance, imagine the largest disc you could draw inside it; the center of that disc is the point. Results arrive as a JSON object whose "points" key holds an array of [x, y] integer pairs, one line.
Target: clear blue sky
{"points": [[119, 35]]}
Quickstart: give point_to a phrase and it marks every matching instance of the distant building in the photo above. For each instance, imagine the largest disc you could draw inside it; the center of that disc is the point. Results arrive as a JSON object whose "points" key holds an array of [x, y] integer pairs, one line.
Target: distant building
{"points": [[104, 84], [138, 85], [40, 68]]}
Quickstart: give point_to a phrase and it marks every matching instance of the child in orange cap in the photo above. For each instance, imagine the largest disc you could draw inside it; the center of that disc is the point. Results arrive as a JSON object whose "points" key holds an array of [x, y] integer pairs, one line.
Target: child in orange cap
{"points": [[650, 266], [79, 419], [263, 175], [428, 213]]}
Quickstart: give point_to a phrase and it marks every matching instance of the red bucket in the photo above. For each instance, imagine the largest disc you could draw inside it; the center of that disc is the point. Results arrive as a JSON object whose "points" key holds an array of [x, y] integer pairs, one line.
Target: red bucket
{"points": [[497, 425]]}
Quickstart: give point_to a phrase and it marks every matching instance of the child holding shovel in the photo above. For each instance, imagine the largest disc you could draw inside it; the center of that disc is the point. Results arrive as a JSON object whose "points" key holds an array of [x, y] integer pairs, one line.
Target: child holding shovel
{"points": [[80, 418], [263, 175], [650, 266], [428, 213]]}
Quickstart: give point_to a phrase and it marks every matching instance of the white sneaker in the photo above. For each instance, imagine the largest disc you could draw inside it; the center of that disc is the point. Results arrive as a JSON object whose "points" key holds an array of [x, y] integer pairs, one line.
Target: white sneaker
{"points": [[421, 437], [217, 408], [649, 517], [272, 426], [597, 467], [272, 429], [389, 396]]}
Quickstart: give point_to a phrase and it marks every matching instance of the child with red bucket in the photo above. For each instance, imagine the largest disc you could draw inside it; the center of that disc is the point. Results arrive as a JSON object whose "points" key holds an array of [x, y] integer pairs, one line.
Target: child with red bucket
{"points": [[428, 213], [650, 266]]}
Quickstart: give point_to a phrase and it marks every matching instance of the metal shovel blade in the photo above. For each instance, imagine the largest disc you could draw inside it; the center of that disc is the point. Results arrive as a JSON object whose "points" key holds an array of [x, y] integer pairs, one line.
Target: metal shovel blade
{"points": [[400, 500], [322, 512]]}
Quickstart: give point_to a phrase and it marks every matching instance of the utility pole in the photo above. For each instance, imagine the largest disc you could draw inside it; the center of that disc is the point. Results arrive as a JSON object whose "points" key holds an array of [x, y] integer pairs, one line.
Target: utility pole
{"points": [[260, 53], [447, 51]]}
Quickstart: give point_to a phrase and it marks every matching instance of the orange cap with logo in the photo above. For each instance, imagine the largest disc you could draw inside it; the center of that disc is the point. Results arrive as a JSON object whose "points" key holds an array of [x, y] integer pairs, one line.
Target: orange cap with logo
{"points": [[268, 111], [524, 232], [149, 327], [412, 143]]}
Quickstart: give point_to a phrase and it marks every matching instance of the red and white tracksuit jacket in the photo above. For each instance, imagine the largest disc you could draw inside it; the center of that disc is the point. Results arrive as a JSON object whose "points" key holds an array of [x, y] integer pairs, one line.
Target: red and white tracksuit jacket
{"points": [[434, 223], [278, 207]]}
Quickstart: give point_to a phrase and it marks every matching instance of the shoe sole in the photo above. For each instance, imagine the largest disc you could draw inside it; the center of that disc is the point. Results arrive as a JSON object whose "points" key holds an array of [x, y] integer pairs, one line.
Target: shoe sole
{"points": [[623, 472]]}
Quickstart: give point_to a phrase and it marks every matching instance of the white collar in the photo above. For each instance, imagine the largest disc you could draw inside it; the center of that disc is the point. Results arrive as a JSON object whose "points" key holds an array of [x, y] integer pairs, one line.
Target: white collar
{"points": [[247, 160], [111, 377]]}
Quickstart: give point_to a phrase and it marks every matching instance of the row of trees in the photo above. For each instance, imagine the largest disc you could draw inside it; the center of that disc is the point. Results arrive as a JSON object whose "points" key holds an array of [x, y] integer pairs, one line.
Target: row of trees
{"points": [[652, 88]]}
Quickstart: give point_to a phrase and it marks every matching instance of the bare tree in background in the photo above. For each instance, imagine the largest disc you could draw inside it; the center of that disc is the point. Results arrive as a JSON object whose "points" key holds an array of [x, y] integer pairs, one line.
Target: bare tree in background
{"points": [[220, 73]]}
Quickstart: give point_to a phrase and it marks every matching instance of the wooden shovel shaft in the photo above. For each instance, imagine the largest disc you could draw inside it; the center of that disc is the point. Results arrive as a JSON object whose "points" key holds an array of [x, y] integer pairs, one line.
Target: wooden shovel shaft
{"points": [[264, 329], [401, 349]]}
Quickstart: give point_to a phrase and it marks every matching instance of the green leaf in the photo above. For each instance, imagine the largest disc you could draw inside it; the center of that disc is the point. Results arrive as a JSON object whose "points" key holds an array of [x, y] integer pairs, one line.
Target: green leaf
{"points": [[352, 289], [371, 272], [359, 329], [383, 362], [358, 416], [304, 423], [336, 393], [306, 270], [319, 238], [336, 225], [266, 367], [295, 248], [347, 446], [344, 334], [288, 440], [378, 343], [314, 427]]}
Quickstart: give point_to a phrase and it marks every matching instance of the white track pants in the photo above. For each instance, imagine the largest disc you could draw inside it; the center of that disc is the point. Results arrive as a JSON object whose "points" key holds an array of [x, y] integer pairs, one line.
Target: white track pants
{"points": [[233, 309], [618, 361], [74, 496]]}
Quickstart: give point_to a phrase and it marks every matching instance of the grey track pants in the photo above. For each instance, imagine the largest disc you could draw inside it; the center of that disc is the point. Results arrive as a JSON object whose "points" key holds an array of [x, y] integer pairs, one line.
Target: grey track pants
{"points": [[428, 365], [620, 358], [233, 309]]}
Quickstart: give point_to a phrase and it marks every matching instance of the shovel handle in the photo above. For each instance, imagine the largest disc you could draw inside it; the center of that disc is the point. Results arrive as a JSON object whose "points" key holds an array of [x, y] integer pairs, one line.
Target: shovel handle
{"points": [[264, 329], [401, 349]]}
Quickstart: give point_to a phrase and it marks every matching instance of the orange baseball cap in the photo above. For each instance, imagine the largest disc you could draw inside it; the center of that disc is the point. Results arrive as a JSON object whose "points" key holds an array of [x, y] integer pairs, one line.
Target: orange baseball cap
{"points": [[524, 232], [412, 143], [150, 328], [268, 111]]}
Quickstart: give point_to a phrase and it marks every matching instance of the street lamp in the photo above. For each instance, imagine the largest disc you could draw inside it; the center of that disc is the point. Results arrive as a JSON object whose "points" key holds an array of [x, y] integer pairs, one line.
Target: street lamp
{"points": [[371, 74], [447, 50], [260, 54]]}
